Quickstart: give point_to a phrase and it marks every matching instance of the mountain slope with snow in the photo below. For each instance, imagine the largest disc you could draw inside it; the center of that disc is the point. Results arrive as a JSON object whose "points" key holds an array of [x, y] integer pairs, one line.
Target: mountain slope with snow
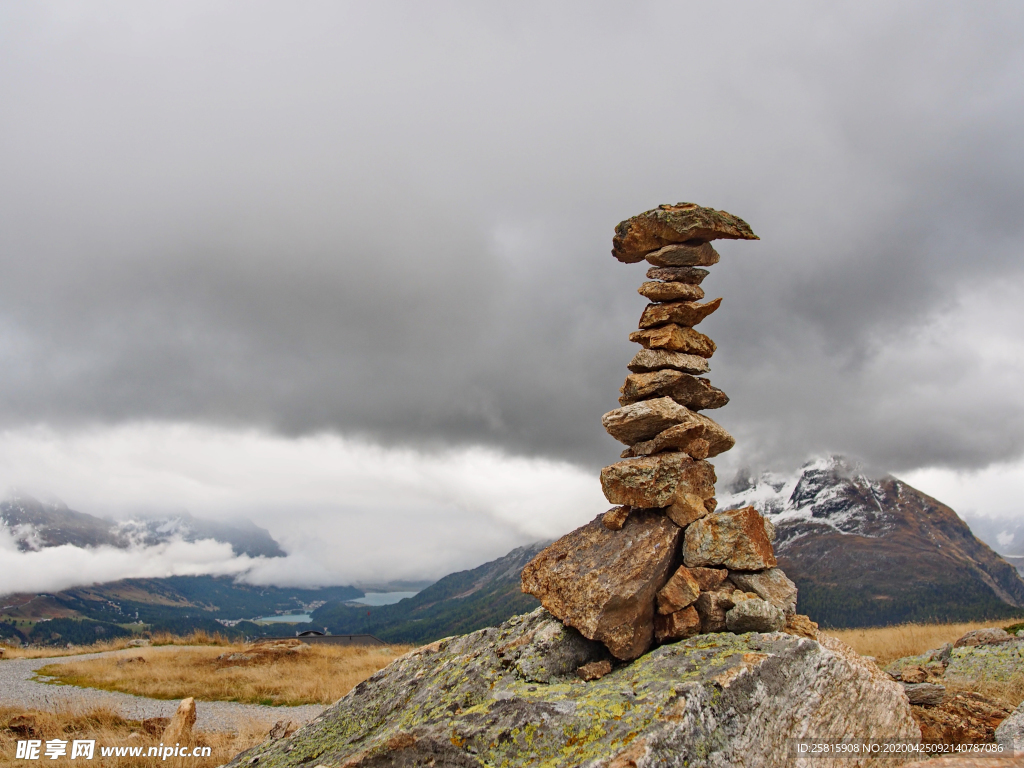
{"points": [[870, 551]]}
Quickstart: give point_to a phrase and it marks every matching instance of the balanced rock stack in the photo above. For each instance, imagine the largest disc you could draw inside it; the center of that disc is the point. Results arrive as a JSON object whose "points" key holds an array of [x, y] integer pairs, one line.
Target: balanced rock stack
{"points": [[663, 564]]}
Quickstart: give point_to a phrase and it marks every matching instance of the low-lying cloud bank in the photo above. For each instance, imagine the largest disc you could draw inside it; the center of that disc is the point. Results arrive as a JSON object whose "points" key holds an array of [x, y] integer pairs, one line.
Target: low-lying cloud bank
{"points": [[344, 510]]}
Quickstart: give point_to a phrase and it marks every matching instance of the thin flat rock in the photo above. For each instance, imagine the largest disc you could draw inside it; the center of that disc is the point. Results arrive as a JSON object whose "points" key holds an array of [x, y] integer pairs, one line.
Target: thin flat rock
{"points": [[684, 255], [657, 359], [676, 338], [653, 290], [636, 237], [691, 275], [686, 389], [688, 313]]}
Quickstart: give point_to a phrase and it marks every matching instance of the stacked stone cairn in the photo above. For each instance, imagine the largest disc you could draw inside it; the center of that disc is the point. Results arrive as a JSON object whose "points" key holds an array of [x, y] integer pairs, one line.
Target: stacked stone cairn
{"points": [[663, 564]]}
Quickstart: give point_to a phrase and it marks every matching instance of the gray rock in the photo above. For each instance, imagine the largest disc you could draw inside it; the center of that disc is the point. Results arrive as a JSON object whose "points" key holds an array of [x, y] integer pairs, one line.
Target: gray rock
{"points": [[682, 255], [996, 663], [691, 275], [925, 694], [659, 359], [987, 636], [712, 701], [771, 585], [755, 616], [1010, 733]]}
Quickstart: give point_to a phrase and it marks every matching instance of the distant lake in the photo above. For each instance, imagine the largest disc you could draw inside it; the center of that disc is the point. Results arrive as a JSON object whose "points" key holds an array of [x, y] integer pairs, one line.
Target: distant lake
{"points": [[383, 598], [291, 618]]}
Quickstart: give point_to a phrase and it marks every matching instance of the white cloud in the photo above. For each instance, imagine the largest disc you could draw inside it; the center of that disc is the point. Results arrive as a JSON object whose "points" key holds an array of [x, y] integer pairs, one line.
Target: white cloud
{"points": [[345, 510], [57, 568]]}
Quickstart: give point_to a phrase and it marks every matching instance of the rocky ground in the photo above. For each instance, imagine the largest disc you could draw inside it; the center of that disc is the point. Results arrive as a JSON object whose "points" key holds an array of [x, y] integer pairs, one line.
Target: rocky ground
{"points": [[515, 694]]}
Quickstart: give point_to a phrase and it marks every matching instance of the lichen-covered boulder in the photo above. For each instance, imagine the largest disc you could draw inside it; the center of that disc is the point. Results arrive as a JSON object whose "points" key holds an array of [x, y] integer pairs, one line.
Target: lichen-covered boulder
{"points": [[710, 700], [995, 663]]}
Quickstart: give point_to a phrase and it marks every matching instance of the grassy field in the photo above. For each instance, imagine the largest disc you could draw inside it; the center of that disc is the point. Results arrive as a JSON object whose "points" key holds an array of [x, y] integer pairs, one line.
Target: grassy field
{"points": [[280, 673], [46, 652], [111, 730], [887, 644]]}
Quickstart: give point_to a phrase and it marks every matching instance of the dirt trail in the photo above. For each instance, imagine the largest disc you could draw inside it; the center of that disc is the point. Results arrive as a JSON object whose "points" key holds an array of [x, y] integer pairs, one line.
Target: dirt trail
{"points": [[19, 688]]}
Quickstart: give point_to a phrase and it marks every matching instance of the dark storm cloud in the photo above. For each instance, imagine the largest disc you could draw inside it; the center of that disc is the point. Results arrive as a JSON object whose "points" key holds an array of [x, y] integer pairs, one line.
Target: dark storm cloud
{"points": [[395, 220]]}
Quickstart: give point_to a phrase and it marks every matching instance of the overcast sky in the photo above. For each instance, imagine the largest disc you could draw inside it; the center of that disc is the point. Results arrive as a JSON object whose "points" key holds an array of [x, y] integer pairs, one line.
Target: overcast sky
{"points": [[388, 225]]}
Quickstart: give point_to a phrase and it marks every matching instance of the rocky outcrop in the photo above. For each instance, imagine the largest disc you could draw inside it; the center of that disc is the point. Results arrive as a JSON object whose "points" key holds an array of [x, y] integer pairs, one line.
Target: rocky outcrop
{"points": [[513, 695]]}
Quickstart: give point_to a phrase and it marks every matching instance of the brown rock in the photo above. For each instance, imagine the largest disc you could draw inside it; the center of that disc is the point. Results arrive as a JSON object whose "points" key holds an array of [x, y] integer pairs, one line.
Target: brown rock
{"points": [[712, 607], [771, 585], [753, 615], [709, 578], [676, 626], [657, 359], [652, 481], [986, 636], [686, 508], [682, 437], [679, 591], [719, 441], [962, 718], [647, 419], [283, 729], [155, 726], [913, 673], [179, 731], [679, 223], [676, 338], [595, 670], [655, 291], [691, 275], [684, 255], [690, 391], [604, 582], [734, 538], [615, 518], [710, 504], [688, 313], [24, 725], [798, 624]]}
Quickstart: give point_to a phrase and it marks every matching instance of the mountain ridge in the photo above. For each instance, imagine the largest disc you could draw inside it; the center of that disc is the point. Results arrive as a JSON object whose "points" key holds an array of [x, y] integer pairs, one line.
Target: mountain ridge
{"points": [[867, 551]]}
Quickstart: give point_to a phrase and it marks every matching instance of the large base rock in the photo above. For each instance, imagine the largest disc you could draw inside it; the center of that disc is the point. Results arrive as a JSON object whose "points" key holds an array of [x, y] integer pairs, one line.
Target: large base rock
{"points": [[603, 582], [709, 701]]}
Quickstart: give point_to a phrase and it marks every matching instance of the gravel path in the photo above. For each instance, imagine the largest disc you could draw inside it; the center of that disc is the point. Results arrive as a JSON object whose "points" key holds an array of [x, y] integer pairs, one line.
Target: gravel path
{"points": [[19, 688]]}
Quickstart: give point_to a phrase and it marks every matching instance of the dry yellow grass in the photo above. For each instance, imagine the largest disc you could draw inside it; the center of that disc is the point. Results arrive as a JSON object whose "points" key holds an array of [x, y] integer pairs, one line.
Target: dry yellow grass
{"points": [[160, 638], [109, 729], [889, 643], [287, 673]]}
